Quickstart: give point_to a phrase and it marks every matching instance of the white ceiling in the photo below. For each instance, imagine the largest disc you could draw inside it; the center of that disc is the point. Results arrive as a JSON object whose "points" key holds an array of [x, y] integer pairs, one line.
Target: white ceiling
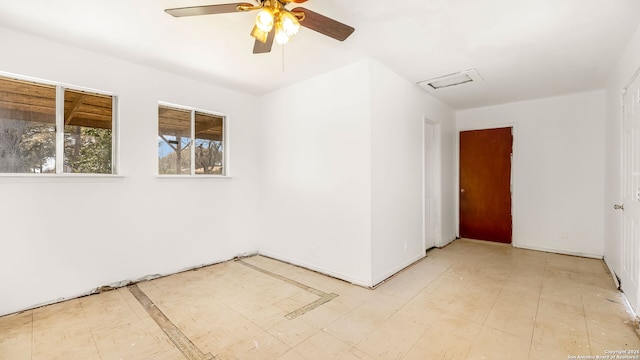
{"points": [[523, 49]]}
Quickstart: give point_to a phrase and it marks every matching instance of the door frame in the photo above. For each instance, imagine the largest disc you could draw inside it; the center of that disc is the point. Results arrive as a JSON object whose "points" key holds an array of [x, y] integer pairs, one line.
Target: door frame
{"points": [[635, 308], [436, 181], [514, 172]]}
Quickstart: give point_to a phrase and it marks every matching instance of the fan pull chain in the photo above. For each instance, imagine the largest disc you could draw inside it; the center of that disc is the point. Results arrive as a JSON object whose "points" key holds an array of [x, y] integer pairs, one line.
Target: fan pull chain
{"points": [[283, 59]]}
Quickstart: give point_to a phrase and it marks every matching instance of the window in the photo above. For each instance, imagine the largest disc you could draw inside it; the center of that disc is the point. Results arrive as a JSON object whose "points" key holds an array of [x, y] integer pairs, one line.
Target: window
{"points": [[27, 127], [47, 128], [88, 132], [190, 141]]}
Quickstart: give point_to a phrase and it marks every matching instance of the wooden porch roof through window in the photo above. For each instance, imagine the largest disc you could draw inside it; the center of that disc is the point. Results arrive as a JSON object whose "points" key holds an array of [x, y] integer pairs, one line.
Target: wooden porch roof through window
{"points": [[177, 122], [28, 101]]}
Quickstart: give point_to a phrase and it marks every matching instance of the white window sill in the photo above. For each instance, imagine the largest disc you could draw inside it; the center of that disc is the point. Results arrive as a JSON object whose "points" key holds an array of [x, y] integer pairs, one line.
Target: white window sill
{"points": [[62, 176], [192, 177]]}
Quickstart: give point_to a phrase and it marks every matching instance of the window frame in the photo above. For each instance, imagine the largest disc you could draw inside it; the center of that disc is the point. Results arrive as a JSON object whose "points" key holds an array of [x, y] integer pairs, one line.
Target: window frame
{"points": [[192, 151], [60, 128]]}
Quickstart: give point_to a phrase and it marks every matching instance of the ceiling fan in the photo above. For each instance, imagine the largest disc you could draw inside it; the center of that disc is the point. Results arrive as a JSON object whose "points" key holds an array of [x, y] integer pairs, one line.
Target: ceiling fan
{"points": [[273, 21]]}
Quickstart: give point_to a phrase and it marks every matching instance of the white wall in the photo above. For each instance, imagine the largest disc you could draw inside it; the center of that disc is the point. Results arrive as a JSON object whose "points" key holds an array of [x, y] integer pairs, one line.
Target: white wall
{"points": [[65, 236], [342, 168], [398, 111], [629, 63], [558, 174], [315, 201]]}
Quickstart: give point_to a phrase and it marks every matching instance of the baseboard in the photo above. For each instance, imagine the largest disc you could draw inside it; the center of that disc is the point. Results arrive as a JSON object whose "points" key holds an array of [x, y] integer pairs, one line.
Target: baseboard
{"points": [[380, 279], [634, 316], [612, 272], [317, 269], [562, 252], [485, 242], [445, 243]]}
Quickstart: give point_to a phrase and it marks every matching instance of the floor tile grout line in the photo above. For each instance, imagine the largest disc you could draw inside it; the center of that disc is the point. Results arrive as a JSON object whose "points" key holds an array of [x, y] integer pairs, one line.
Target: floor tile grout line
{"points": [[418, 339], [324, 297], [535, 319], [421, 290], [350, 345], [284, 278], [32, 332], [130, 304], [492, 306], [586, 325], [95, 343], [305, 309], [181, 341], [345, 315]]}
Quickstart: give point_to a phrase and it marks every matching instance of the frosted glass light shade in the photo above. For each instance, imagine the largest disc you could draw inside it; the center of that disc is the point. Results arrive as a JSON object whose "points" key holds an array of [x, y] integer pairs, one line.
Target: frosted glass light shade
{"points": [[264, 20], [289, 23]]}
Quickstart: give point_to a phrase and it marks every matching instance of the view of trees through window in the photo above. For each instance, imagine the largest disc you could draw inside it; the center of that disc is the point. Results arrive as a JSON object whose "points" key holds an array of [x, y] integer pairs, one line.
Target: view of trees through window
{"points": [[177, 146], [87, 133], [28, 129]]}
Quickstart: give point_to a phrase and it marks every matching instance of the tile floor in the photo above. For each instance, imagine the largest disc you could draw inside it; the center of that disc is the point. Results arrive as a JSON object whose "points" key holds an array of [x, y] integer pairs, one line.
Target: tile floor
{"points": [[470, 300]]}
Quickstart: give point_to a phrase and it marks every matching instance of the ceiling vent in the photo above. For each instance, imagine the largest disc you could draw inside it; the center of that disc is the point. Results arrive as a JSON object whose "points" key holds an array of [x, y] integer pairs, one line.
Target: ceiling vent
{"points": [[446, 81]]}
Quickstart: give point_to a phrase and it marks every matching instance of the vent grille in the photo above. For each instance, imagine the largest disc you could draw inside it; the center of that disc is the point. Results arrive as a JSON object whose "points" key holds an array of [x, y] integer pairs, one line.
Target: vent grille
{"points": [[446, 81]]}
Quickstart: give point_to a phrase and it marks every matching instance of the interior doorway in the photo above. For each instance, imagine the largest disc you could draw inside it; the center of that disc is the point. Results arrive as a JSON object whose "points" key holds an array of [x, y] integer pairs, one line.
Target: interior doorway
{"points": [[630, 207], [485, 184], [431, 176]]}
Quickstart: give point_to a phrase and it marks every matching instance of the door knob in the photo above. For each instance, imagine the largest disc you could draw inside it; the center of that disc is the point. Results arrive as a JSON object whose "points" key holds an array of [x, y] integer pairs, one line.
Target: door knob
{"points": [[462, 191], [619, 207]]}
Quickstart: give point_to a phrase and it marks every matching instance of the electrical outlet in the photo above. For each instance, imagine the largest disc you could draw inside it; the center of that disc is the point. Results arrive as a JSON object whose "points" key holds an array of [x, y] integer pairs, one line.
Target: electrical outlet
{"points": [[564, 235]]}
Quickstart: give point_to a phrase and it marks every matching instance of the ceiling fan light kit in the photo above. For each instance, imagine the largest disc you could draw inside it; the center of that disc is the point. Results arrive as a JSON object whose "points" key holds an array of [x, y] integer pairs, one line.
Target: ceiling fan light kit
{"points": [[290, 23], [265, 20], [274, 15], [274, 21], [259, 34]]}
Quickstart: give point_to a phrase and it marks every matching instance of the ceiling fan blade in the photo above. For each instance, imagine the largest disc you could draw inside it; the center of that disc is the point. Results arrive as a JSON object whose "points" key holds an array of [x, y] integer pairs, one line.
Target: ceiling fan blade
{"points": [[206, 10], [324, 25], [261, 48]]}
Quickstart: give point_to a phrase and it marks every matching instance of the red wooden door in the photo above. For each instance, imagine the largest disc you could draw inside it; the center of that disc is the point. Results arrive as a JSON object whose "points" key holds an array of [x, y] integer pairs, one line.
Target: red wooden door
{"points": [[485, 184]]}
